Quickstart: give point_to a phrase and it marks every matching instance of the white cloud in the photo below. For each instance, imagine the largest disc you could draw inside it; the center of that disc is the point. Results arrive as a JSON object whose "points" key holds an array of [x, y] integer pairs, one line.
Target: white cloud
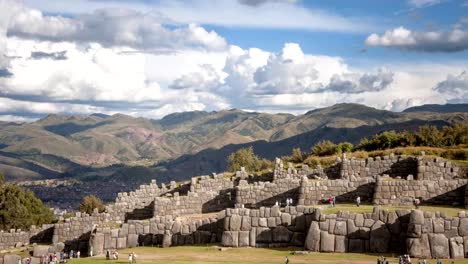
{"points": [[434, 41], [454, 88], [112, 27], [423, 3]]}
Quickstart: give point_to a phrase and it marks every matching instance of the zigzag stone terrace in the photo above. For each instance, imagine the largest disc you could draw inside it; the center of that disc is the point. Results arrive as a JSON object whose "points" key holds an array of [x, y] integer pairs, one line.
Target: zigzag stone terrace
{"points": [[241, 211]]}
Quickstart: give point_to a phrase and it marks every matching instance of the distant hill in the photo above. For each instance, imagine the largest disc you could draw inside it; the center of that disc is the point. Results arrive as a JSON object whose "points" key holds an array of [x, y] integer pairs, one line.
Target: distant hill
{"points": [[447, 108], [123, 151]]}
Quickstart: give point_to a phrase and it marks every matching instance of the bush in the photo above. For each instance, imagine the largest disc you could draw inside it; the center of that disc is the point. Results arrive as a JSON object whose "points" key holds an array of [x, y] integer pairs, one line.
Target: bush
{"points": [[90, 202], [296, 155], [246, 158], [324, 148], [20, 208]]}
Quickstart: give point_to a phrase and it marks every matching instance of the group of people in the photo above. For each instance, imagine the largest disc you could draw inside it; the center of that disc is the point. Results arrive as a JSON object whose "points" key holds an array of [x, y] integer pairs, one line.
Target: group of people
{"points": [[53, 258], [289, 202], [382, 260], [114, 253], [132, 257], [332, 201]]}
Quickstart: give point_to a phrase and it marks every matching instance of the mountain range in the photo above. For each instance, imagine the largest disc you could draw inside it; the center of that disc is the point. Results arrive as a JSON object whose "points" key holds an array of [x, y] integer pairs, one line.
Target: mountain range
{"points": [[128, 150]]}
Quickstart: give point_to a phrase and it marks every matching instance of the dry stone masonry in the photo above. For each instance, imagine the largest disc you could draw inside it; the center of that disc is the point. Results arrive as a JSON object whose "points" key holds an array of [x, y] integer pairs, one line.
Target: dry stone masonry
{"points": [[241, 211]]}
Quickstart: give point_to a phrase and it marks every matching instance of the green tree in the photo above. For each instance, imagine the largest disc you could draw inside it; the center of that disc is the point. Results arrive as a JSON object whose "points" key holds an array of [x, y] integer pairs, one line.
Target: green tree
{"points": [[296, 155], [429, 136], [90, 202], [344, 147], [324, 148], [20, 208], [245, 157]]}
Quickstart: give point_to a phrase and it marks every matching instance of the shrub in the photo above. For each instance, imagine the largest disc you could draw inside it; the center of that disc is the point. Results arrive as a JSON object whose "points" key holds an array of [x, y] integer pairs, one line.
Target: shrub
{"points": [[90, 202], [296, 155], [20, 208], [246, 158], [324, 148]]}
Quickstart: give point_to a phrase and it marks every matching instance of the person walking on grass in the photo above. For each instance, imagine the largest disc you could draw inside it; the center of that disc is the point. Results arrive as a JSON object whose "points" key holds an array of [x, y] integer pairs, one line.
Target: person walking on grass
{"points": [[334, 201], [286, 260], [438, 261], [130, 258], [358, 201]]}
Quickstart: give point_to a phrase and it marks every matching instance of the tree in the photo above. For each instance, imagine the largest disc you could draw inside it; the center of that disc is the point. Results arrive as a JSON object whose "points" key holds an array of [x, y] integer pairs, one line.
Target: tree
{"points": [[246, 158], [2, 179], [296, 155], [90, 202], [20, 208], [324, 148]]}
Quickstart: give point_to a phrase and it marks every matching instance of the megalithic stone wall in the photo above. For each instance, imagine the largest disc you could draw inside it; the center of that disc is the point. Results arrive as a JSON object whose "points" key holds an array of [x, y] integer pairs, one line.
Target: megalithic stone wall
{"points": [[436, 169], [267, 193], [435, 235], [390, 191]]}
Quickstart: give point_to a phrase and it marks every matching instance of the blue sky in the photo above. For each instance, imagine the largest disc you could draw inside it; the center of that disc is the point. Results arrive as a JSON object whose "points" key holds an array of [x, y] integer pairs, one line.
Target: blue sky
{"points": [[151, 58]]}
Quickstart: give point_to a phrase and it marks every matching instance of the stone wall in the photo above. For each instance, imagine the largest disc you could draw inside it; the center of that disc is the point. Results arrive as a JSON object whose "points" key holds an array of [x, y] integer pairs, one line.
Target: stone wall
{"points": [[434, 235], [267, 227], [267, 193], [403, 192], [18, 237], [318, 191], [392, 165], [438, 168], [193, 203]]}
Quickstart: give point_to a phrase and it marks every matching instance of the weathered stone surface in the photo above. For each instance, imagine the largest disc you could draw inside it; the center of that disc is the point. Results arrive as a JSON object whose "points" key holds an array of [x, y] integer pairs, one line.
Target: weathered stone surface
{"points": [[281, 234], [379, 238], [312, 242], [121, 242], [297, 239], [11, 259], [167, 240], [253, 237], [39, 251], [414, 230], [132, 240], [463, 228], [419, 247], [341, 244], [264, 235], [340, 228], [235, 223], [246, 223], [97, 243], [244, 237], [327, 242], [230, 239], [456, 247], [439, 246], [417, 217]]}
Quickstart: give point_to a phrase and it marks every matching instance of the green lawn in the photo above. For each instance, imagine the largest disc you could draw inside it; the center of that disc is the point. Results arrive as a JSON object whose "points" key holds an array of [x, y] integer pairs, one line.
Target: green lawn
{"points": [[211, 254], [352, 208]]}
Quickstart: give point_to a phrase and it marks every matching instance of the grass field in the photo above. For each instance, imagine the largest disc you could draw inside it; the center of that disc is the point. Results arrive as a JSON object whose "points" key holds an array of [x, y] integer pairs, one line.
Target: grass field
{"points": [[212, 254], [367, 208]]}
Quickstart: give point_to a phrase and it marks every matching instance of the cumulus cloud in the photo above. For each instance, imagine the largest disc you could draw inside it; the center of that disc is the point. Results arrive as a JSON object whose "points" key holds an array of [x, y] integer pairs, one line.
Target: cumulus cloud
{"points": [[404, 39], [357, 83], [112, 27], [454, 88]]}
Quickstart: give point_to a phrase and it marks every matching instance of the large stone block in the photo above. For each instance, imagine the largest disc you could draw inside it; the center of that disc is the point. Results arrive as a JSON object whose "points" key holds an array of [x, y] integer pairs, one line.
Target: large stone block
{"points": [[341, 244], [327, 242], [356, 245], [97, 244], [419, 247], [39, 251], [456, 247], [244, 239], [379, 238], [235, 223], [340, 228], [281, 234], [230, 239], [463, 228], [417, 217], [312, 241], [263, 235], [439, 246], [122, 242], [246, 223], [11, 259], [132, 240]]}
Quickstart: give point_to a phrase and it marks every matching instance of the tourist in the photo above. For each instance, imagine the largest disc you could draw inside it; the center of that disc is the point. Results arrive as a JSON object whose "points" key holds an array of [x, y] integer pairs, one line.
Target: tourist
{"points": [[424, 261], [107, 254], [130, 258], [78, 254], [438, 261], [290, 201], [379, 261], [334, 201], [286, 260], [384, 261], [71, 254], [134, 257], [416, 203], [276, 204], [91, 251], [287, 201], [330, 200], [116, 255], [358, 201]]}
